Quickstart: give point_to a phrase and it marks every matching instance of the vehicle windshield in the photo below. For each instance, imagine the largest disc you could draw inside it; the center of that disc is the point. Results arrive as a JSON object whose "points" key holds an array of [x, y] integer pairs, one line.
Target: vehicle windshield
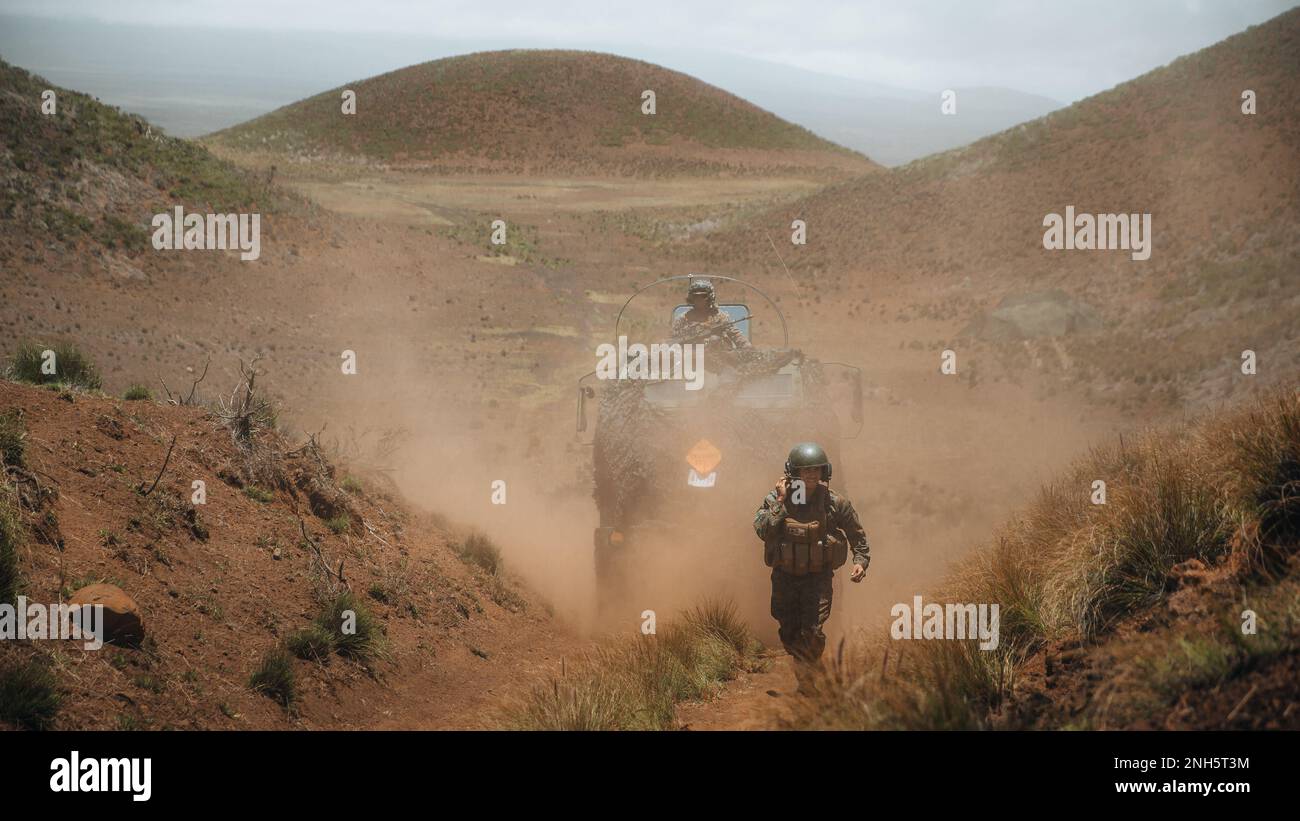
{"points": [[733, 312]]}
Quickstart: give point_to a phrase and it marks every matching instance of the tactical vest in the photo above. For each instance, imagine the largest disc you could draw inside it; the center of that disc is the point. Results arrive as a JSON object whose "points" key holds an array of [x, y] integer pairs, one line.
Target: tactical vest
{"points": [[804, 544]]}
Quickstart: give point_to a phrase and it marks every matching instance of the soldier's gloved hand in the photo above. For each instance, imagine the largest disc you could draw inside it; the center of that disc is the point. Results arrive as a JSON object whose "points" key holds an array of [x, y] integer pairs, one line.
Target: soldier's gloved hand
{"points": [[858, 572], [782, 487]]}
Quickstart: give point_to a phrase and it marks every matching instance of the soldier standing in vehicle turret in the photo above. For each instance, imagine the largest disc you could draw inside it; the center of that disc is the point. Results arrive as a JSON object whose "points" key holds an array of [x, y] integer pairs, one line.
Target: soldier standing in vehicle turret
{"points": [[808, 530], [704, 321]]}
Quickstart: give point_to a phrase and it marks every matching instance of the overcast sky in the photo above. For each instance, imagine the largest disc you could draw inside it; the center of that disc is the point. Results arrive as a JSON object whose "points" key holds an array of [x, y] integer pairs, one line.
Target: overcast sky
{"points": [[1061, 49]]}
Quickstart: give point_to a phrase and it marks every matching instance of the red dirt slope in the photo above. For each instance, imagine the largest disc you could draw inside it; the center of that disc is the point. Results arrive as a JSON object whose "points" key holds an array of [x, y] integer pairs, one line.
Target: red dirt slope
{"points": [[221, 583]]}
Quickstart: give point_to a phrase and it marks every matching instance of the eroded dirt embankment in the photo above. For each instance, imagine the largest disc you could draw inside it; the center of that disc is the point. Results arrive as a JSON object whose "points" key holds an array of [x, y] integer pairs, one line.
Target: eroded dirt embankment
{"points": [[279, 534]]}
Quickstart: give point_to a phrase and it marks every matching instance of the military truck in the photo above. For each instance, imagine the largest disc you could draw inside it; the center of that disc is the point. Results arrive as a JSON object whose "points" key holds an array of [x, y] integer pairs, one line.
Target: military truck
{"points": [[681, 471]]}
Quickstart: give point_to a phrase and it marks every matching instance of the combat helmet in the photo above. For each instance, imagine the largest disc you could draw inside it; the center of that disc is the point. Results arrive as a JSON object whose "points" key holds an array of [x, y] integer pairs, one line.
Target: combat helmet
{"points": [[808, 455], [702, 286]]}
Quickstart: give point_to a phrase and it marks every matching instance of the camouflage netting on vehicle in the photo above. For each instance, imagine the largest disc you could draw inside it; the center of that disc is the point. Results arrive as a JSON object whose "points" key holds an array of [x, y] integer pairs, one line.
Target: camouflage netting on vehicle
{"points": [[640, 447]]}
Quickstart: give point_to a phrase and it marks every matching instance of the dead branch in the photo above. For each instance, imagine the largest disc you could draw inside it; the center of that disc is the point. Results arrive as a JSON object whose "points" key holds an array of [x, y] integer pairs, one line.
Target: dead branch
{"points": [[376, 535], [1241, 704], [244, 410], [354, 449], [320, 558], [158, 478], [310, 443], [23, 478], [188, 399], [312, 447]]}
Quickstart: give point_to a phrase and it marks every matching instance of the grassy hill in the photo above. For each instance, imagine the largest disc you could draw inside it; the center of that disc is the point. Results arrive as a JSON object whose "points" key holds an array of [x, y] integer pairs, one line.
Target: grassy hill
{"points": [[535, 111], [1219, 184], [1172, 142], [91, 175]]}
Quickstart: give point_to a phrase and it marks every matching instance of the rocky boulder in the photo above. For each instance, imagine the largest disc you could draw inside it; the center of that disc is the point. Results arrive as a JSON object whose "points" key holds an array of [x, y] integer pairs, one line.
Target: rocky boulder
{"points": [[123, 623]]}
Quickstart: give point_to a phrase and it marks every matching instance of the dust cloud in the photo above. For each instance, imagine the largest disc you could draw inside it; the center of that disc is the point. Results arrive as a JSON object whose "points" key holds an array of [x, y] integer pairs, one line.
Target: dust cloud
{"points": [[939, 464]]}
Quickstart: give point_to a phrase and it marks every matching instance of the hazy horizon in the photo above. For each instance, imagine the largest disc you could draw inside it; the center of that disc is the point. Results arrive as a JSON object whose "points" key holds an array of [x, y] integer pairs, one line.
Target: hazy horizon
{"points": [[871, 83]]}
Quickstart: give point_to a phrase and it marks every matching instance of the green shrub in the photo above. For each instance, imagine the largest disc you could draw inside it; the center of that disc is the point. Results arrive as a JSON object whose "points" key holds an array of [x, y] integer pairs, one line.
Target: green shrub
{"points": [[313, 643], [258, 494], [1198, 661], [479, 550], [718, 618], [11, 536], [275, 677], [71, 366], [119, 233], [636, 683], [137, 393], [11, 438], [28, 695], [356, 633]]}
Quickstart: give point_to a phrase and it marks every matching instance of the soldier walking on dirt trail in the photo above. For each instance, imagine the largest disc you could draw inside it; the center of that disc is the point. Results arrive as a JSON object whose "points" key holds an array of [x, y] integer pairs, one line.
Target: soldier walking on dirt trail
{"points": [[704, 320], [807, 531]]}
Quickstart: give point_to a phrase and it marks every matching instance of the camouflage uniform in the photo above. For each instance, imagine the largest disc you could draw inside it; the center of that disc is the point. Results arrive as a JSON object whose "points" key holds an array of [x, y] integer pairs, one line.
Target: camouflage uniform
{"points": [[802, 604], [687, 328]]}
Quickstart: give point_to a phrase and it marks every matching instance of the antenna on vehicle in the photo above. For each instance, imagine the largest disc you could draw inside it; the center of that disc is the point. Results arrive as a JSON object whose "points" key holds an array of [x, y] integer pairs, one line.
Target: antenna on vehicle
{"points": [[778, 256], [793, 283]]}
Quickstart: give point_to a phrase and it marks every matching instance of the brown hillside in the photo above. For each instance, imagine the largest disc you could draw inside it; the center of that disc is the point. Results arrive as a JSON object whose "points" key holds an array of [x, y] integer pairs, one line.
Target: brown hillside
{"points": [[222, 584], [968, 224], [87, 179], [533, 112]]}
